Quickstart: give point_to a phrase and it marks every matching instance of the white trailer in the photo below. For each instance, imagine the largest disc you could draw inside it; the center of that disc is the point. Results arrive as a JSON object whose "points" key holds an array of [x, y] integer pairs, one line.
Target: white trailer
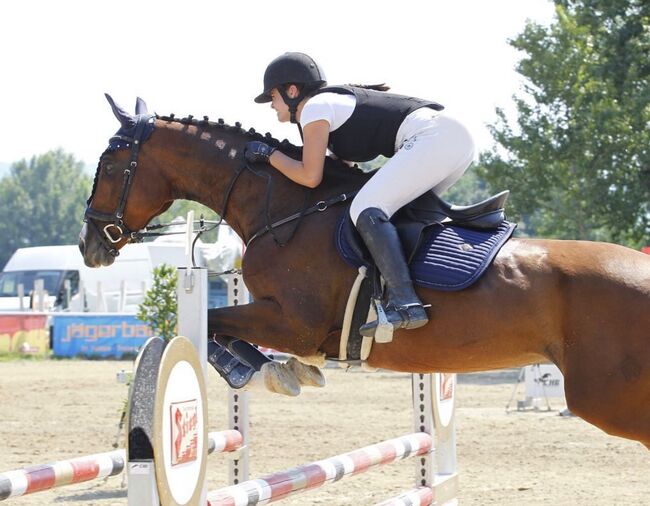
{"points": [[70, 285]]}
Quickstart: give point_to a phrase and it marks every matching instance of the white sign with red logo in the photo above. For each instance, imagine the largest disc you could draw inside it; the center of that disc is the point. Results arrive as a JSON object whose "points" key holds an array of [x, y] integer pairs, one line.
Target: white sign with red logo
{"points": [[183, 429], [185, 435]]}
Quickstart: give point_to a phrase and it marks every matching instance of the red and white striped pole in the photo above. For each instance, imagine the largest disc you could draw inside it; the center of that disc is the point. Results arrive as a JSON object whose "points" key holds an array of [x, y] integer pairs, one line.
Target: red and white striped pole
{"points": [[91, 467], [281, 485], [65, 472]]}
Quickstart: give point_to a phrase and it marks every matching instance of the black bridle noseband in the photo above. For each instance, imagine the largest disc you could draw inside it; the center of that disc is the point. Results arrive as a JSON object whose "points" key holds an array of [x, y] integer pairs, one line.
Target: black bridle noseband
{"points": [[116, 219]]}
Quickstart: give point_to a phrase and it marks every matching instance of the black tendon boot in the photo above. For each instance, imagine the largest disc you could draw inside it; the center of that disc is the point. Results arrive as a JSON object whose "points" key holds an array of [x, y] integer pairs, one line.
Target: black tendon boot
{"points": [[235, 371], [404, 309]]}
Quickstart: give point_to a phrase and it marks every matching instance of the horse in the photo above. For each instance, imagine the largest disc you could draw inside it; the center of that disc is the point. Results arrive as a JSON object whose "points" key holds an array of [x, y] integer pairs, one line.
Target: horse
{"points": [[584, 306]]}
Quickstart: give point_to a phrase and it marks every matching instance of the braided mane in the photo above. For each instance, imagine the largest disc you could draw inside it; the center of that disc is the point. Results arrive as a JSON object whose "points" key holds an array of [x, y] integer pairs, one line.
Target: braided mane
{"points": [[334, 168], [336, 171], [285, 146]]}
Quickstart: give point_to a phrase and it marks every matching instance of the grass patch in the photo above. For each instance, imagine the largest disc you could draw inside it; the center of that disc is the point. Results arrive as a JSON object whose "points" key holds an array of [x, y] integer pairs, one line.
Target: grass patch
{"points": [[14, 356]]}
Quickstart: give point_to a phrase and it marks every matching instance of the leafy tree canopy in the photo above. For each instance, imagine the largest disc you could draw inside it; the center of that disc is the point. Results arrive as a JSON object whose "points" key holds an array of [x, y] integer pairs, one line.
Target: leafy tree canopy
{"points": [[42, 202], [180, 208], [577, 157]]}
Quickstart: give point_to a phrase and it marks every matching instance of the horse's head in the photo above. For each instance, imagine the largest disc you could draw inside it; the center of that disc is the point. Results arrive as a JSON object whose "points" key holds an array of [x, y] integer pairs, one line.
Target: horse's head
{"points": [[121, 202], [195, 160]]}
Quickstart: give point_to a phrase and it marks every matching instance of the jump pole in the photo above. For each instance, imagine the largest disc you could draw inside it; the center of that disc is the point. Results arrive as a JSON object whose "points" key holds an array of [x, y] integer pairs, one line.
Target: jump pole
{"points": [[278, 486], [61, 473]]}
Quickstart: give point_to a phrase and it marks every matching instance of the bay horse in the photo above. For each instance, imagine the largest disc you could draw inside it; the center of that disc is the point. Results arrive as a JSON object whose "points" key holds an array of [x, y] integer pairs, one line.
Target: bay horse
{"points": [[584, 306]]}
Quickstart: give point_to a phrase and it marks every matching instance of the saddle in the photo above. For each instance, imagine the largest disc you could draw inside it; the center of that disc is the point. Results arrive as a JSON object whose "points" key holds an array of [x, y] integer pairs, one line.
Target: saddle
{"points": [[414, 219]]}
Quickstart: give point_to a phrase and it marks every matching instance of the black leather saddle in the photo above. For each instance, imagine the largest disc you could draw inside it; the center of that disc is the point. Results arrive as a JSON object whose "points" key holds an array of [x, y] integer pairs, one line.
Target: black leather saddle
{"points": [[429, 209]]}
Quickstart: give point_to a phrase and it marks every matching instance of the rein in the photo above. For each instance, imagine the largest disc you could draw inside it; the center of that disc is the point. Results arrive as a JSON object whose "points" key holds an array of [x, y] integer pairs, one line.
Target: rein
{"points": [[320, 206], [116, 219]]}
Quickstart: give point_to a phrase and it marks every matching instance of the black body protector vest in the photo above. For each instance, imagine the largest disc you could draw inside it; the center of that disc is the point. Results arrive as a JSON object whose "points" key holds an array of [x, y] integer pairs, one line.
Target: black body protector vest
{"points": [[372, 129]]}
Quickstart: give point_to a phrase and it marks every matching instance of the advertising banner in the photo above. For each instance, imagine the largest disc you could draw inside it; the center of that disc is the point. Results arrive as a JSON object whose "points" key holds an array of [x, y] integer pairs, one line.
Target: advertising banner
{"points": [[25, 333], [105, 335]]}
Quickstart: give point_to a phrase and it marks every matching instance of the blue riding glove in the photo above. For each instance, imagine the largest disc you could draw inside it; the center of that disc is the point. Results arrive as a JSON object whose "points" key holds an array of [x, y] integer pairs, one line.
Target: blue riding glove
{"points": [[258, 151]]}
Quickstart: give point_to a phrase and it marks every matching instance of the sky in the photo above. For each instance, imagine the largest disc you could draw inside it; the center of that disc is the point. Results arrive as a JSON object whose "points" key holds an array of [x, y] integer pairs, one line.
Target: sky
{"points": [[198, 57]]}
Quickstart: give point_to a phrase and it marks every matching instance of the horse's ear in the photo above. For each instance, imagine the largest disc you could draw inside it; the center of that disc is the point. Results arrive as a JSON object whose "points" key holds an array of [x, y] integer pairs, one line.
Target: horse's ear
{"points": [[140, 106], [126, 120]]}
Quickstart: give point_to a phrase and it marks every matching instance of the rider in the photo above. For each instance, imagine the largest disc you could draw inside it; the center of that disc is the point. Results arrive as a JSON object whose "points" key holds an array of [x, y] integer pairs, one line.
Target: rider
{"points": [[427, 150]]}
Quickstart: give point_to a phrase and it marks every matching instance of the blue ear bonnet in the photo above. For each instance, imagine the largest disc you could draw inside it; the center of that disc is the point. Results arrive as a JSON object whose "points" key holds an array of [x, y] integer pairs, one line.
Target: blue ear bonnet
{"points": [[125, 135]]}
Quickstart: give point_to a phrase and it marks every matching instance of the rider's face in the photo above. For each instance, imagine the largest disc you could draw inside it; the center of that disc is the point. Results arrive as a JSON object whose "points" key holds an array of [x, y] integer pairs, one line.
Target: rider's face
{"points": [[278, 104]]}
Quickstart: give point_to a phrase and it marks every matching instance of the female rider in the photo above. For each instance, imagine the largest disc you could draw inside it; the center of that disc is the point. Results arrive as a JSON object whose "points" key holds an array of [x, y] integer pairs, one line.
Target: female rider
{"points": [[427, 150]]}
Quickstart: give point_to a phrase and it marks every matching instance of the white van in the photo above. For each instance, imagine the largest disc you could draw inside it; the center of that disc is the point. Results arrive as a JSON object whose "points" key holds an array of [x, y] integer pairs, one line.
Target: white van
{"points": [[120, 287], [62, 268]]}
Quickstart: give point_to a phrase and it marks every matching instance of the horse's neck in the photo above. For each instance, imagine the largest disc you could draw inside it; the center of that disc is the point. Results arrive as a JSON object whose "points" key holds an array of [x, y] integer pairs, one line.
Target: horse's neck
{"points": [[202, 164]]}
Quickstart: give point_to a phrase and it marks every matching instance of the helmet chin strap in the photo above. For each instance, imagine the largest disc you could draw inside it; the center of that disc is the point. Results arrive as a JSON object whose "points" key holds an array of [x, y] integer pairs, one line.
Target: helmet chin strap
{"points": [[292, 103], [293, 107]]}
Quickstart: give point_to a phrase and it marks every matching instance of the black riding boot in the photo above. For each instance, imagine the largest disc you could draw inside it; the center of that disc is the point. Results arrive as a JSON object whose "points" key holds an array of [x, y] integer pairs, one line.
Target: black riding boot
{"points": [[404, 309]]}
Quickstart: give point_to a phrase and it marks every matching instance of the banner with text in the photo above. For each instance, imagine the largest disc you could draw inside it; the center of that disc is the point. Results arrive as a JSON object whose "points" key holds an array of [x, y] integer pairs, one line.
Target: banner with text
{"points": [[98, 335], [24, 333]]}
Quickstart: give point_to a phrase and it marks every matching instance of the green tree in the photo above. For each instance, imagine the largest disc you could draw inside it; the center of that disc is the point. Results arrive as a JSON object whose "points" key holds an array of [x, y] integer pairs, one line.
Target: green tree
{"points": [[469, 189], [577, 158], [180, 208], [42, 202], [159, 307]]}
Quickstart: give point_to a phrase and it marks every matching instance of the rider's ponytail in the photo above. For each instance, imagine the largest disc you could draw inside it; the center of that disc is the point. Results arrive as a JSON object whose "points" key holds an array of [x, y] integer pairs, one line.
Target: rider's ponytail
{"points": [[376, 87]]}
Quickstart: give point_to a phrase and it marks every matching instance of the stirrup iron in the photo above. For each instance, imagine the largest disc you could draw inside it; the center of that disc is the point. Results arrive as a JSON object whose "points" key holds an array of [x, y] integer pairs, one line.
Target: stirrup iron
{"points": [[384, 330]]}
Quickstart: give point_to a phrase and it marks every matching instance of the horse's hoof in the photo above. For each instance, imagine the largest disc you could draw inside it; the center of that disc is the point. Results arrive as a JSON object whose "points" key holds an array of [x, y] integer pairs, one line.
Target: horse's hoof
{"points": [[280, 379], [308, 375]]}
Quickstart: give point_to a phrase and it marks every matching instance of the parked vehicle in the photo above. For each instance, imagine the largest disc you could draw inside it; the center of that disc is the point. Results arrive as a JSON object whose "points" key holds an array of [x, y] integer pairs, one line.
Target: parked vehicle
{"points": [[70, 285], [66, 279]]}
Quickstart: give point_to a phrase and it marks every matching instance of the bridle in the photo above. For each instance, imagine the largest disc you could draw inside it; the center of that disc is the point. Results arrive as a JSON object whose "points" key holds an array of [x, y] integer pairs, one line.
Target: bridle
{"points": [[116, 218]]}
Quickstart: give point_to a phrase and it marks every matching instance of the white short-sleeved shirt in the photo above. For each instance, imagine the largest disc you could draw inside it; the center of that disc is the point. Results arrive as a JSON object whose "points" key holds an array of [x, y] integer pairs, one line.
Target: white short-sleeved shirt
{"points": [[335, 108]]}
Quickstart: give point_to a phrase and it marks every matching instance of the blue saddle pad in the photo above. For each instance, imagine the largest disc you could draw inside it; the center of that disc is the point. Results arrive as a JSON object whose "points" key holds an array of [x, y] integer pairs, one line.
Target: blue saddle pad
{"points": [[449, 257]]}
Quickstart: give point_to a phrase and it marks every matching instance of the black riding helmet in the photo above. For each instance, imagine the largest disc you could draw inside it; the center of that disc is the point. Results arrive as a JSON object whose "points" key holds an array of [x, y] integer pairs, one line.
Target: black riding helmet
{"points": [[292, 68]]}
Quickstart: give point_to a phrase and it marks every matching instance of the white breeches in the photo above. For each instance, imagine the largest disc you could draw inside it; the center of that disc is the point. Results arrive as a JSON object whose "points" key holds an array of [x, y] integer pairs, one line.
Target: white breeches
{"points": [[433, 151]]}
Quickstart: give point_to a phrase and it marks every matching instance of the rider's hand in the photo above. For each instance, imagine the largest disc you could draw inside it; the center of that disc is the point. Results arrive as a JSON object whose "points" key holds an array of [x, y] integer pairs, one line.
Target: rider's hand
{"points": [[258, 151]]}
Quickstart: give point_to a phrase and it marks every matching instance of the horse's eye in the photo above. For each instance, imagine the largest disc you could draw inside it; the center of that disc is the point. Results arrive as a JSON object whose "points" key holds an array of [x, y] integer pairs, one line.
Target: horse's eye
{"points": [[108, 168]]}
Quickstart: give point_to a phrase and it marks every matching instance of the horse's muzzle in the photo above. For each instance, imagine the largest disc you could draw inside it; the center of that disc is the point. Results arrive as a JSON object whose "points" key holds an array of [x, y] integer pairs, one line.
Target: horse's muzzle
{"points": [[92, 249]]}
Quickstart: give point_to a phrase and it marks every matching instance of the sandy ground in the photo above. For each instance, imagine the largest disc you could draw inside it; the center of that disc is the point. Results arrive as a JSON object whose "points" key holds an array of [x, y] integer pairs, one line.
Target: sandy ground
{"points": [[54, 410]]}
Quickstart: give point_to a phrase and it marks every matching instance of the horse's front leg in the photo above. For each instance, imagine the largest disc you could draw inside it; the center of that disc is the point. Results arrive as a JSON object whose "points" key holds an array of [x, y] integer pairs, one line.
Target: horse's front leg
{"points": [[242, 365]]}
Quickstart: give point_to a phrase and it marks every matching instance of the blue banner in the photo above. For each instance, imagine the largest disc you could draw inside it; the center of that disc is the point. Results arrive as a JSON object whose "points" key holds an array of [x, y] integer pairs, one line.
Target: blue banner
{"points": [[98, 335]]}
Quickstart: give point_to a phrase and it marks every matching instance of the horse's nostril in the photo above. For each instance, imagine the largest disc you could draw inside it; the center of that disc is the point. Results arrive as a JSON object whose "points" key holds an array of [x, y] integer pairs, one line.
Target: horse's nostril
{"points": [[82, 246]]}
